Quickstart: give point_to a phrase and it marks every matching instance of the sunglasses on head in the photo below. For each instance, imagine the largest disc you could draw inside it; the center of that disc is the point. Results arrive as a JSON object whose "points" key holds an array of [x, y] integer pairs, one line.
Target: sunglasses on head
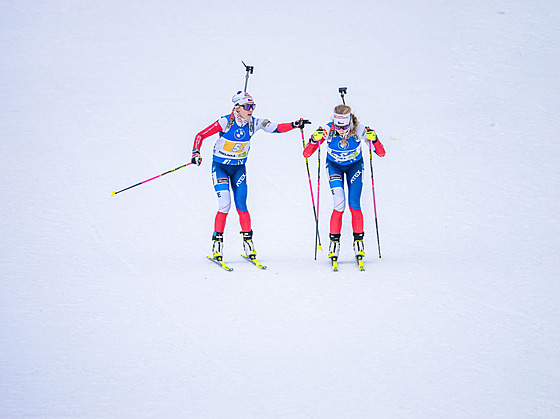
{"points": [[249, 106]]}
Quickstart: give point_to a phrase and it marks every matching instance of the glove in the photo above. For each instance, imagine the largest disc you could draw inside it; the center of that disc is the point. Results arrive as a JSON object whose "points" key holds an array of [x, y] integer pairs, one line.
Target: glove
{"points": [[371, 135], [301, 123], [196, 157], [316, 136]]}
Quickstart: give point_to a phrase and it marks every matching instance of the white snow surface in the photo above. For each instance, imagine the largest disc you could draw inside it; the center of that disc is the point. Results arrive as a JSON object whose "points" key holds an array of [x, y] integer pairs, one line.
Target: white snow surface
{"points": [[108, 306]]}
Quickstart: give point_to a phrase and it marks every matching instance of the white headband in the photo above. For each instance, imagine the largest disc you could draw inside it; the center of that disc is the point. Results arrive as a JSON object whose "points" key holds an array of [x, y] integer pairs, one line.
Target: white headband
{"points": [[341, 120]]}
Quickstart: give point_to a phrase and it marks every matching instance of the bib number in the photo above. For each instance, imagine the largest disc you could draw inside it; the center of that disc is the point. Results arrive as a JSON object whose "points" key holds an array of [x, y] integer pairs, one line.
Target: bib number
{"points": [[234, 147]]}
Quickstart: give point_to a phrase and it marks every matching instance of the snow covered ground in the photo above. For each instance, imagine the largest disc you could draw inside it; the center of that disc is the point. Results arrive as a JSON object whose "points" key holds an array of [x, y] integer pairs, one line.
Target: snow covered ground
{"points": [[108, 307]]}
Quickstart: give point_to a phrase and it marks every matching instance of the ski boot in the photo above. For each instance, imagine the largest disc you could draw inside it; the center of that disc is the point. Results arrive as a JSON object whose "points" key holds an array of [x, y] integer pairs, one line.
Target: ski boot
{"points": [[248, 245], [217, 246], [334, 249], [359, 246], [359, 250]]}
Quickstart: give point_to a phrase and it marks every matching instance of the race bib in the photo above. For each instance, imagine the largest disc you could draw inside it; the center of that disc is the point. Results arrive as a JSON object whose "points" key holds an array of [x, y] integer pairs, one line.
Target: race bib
{"points": [[234, 147]]}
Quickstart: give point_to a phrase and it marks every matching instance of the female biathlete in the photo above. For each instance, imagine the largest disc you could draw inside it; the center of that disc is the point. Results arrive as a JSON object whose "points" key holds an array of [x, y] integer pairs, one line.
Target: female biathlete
{"points": [[228, 165], [344, 136]]}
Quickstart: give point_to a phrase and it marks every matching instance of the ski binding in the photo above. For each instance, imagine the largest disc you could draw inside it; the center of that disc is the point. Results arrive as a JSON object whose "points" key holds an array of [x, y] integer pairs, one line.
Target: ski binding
{"points": [[334, 263], [360, 262]]}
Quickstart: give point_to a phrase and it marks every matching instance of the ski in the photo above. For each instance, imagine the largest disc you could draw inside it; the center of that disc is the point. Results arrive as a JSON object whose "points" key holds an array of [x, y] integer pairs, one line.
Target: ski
{"points": [[360, 263], [253, 261], [334, 264], [220, 263]]}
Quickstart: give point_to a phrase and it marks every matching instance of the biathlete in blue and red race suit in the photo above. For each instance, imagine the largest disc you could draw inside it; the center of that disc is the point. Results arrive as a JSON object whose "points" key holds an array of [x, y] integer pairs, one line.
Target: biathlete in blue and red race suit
{"points": [[230, 154], [344, 136]]}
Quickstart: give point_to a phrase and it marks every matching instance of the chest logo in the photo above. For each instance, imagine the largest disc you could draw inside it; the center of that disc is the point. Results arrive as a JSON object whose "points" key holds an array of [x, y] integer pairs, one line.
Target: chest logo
{"points": [[239, 133]]}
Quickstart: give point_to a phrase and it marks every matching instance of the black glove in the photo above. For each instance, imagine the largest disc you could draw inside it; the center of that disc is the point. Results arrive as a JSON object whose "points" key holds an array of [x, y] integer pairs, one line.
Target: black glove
{"points": [[301, 123], [196, 157]]}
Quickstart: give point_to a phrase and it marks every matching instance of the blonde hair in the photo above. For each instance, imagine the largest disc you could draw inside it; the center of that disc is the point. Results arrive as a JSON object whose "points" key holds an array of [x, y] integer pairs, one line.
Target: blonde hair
{"points": [[344, 110]]}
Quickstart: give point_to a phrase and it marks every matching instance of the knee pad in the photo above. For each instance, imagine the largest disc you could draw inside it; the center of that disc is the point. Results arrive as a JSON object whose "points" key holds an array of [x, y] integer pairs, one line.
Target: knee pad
{"points": [[339, 201], [224, 201]]}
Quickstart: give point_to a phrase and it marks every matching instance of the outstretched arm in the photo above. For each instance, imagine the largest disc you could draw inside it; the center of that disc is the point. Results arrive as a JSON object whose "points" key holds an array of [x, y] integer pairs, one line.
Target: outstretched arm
{"points": [[271, 127]]}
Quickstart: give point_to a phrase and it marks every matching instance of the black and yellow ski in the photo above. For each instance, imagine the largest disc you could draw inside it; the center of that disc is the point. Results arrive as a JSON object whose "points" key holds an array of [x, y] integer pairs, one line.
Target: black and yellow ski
{"points": [[254, 261], [220, 263]]}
